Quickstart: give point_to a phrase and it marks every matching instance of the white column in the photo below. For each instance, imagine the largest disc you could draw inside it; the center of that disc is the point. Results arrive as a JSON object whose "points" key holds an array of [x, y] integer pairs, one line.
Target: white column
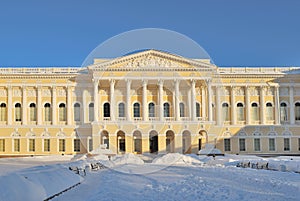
{"points": [[128, 100], [9, 105], [177, 109], [276, 96], [24, 106], [210, 115], [203, 103], [193, 100], [292, 108], [161, 100], [145, 116], [218, 106], [69, 106], [262, 105], [84, 107], [247, 97], [39, 105], [112, 100], [54, 106], [233, 106], [96, 100]]}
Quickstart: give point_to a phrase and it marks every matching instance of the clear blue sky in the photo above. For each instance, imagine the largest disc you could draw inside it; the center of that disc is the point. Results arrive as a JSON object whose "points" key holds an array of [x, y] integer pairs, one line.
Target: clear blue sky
{"points": [[233, 32]]}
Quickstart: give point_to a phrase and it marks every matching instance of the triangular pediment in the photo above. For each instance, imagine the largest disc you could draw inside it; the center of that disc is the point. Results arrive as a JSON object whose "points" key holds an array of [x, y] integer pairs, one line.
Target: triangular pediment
{"points": [[151, 60]]}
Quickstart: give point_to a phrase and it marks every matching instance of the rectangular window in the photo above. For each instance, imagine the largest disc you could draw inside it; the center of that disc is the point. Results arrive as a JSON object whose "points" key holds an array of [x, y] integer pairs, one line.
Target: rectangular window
{"points": [[47, 114], [32, 114], [2, 145], [18, 113], [76, 145], [271, 144], [299, 144], [286, 144], [227, 145], [31, 144], [91, 112], [62, 145], [256, 144], [16, 145], [240, 114], [242, 144], [46, 145], [90, 145], [3, 114]]}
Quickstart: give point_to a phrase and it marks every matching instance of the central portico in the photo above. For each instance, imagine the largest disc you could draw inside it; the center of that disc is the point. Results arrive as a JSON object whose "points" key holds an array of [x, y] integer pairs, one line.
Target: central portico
{"points": [[152, 101]]}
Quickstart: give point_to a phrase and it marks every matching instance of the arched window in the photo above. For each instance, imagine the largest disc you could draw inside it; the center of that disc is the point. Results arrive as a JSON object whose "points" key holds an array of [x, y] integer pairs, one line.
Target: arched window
{"points": [[62, 112], [91, 112], [225, 112], [197, 109], [166, 110], [254, 112], [3, 112], [32, 112], [106, 110], [47, 113], [269, 112], [136, 110], [76, 112], [151, 109], [181, 109], [240, 112], [283, 112], [121, 110], [18, 112], [297, 111]]}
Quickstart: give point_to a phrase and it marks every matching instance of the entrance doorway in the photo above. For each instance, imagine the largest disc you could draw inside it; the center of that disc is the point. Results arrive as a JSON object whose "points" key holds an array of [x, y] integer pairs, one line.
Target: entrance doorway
{"points": [[153, 142]]}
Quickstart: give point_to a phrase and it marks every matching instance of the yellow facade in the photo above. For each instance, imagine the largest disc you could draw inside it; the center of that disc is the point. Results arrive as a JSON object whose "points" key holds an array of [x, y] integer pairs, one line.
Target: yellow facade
{"points": [[149, 102]]}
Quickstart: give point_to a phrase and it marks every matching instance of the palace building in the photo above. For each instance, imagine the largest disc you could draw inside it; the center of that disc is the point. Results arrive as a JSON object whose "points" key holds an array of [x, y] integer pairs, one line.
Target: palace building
{"points": [[149, 102]]}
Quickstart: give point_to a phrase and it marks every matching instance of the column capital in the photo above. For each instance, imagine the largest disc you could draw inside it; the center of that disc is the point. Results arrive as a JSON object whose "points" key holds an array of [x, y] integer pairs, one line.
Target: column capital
{"points": [[144, 82], [160, 82], [38, 87], [128, 81], [112, 81], [193, 81]]}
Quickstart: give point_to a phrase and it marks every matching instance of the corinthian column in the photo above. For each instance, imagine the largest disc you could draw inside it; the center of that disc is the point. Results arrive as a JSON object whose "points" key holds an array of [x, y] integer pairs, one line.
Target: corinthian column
{"points": [[24, 106], [193, 101], [247, 97], [210, 115], [161, 100], [69, 105], [9, 105], [233, 106], [54, 120], [96, 100], [177, 113], [128, 100], [276, 96], [292, 108], [39, 105], [262, 105], [145, 118], [112, 100]]}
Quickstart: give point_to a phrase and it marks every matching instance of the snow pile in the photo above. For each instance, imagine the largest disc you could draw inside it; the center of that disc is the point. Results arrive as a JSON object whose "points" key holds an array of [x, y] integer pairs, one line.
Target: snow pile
{"points": [[176, 158], [127, 159], [283, 163], [36, 183], [102, 150]]}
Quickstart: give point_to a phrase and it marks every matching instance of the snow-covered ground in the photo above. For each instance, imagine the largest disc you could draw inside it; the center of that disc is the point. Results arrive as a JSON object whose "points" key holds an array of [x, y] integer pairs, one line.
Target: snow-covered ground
{"points": [[168, 177]]}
